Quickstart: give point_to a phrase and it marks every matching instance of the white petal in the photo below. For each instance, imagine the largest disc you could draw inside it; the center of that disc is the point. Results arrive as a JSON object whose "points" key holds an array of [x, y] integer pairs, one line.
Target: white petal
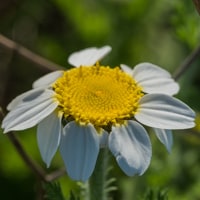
{"points": [[164, 112], [30, 94], [48, 79], [48, 136], [89, 56], [79, 149], [154, 79], [165, 137], [127, 69], [131, 146], [30, 112]]}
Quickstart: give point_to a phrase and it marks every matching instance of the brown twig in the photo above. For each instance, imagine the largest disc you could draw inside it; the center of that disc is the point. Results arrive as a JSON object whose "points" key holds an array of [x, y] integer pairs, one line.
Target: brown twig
{"points": [[197, 5], [19, 49], [30, 163], [186, 63], [38, 171], [55, 175]]}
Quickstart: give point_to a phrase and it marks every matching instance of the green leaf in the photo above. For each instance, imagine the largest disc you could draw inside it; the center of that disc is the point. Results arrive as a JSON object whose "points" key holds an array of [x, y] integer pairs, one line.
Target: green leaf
{"points": [[160, 194], [53, 191], [73, 197]]}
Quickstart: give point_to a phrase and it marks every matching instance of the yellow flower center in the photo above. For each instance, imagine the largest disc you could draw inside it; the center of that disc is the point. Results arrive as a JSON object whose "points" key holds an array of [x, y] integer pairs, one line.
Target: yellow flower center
{"points": [[98, 95]]}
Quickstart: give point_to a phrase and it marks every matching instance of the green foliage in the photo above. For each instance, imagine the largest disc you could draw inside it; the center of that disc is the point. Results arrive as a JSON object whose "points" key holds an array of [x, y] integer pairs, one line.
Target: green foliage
{"points": [[156, 195], [186, 23], [73, 197], [53, 191]]}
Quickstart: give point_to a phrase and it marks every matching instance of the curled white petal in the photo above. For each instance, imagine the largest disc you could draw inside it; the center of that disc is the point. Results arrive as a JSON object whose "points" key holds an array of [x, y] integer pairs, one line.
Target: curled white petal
{"points": [[89, 56], [164, 112], [30, 111], [48, 136], [131, 146], [165, 137], [79, 149], [48, 79], [154, 79]]}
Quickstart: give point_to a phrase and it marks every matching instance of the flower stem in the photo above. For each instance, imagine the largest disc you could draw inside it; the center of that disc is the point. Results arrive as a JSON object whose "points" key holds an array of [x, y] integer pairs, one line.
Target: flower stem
{"points": [[97, 182]]}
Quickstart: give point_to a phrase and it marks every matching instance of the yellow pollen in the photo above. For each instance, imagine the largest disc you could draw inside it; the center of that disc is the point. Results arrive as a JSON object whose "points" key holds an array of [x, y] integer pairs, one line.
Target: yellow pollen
{"points": [[98, 95]]}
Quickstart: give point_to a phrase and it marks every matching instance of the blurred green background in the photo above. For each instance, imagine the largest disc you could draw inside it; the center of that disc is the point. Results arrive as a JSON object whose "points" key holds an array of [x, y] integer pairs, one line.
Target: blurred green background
{"points": [[159, 31]]}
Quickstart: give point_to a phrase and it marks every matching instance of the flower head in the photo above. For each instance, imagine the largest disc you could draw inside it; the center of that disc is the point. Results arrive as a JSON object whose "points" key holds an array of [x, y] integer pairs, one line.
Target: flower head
{"points": [[98, 95], [92, 106]]}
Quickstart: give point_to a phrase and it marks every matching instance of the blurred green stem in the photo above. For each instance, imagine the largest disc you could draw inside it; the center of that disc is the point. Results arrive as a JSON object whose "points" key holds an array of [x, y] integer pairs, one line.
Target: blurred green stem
{"points": [[97, 182]]}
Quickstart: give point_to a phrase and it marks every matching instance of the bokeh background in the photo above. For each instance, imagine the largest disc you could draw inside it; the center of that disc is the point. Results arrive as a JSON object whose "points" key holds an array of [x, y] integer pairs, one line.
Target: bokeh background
{"points": [[159, 31]]}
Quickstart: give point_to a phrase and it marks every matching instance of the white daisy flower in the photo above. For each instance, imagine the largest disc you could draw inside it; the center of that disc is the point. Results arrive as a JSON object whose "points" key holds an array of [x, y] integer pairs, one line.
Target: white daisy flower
{"points": [[92, 106]]}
